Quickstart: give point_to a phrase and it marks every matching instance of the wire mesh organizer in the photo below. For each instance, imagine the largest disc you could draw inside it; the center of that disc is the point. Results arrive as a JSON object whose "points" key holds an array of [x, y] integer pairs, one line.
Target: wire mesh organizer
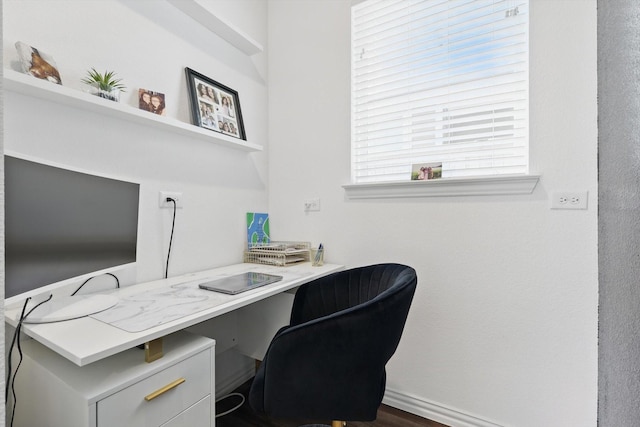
{"points": [[278, 253]]}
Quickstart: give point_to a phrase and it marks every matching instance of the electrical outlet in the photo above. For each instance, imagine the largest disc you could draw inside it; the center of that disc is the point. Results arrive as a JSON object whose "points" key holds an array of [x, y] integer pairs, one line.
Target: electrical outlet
{"points": [[569, 199], [164, 195], [312, 204]]}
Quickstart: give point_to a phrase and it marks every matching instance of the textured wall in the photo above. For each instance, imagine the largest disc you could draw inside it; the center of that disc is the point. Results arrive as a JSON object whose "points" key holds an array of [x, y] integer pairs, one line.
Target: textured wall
{"points": [[619, 228], [2, 367], [2, 408]]}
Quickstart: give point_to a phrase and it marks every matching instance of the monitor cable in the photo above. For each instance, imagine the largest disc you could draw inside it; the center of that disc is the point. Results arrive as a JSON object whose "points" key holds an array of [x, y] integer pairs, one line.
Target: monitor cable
{"points": [[173, 226], [16, 342], [92, 277], [232, 409]]}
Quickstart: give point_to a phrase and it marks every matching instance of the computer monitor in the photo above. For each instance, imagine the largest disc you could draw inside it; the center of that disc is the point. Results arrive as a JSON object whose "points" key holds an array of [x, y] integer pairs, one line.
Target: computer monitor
{"points": [[64, 226]]}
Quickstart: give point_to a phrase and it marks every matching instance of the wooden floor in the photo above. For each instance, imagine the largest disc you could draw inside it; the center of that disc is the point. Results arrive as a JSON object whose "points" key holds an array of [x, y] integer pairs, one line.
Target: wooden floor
{"points": [[246, 417]]}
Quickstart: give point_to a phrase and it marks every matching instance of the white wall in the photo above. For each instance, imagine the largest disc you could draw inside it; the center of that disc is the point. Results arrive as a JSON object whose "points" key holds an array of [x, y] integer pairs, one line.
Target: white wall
{"points": [[504, 324], [148, 43], [503, 329]]}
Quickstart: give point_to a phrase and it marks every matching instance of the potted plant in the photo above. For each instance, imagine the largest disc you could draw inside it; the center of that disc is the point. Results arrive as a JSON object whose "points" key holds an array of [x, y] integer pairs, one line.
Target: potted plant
{"points": [[105, 85]]}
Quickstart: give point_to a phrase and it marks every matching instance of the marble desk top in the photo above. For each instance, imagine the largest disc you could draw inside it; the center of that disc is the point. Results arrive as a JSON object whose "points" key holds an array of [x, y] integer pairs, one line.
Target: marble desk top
{"points": [[151, 308], [154, 309]]}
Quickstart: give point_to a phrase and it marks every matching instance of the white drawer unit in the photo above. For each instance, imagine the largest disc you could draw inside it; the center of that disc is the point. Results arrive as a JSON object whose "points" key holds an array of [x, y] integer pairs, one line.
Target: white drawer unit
{"points": [[120, 391]]}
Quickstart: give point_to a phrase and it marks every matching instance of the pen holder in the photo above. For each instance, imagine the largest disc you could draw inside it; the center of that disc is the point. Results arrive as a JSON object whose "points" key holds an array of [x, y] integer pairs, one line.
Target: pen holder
{"points": [[317, 257]]}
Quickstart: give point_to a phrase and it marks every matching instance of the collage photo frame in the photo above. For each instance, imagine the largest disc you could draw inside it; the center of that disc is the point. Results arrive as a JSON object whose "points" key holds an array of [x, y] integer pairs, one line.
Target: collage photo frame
{"points": [[214, 106]]}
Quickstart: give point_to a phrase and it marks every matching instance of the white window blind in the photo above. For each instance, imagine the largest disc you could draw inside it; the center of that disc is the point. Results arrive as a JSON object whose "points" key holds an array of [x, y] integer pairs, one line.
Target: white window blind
{"points": [[439, 81]]}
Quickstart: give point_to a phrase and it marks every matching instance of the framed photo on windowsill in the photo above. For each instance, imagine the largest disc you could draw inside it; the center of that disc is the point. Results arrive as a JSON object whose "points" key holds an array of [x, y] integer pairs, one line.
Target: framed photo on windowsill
{"points": [[214, 106]]}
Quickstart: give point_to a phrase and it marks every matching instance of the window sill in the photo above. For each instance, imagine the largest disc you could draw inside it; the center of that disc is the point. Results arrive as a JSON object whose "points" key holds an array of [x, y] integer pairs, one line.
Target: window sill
{"points": [[482, 186]]}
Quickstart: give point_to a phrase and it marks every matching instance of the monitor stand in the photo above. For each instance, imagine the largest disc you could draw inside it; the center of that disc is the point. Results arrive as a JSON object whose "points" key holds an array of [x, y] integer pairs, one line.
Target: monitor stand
{"points": [[67, 308]]}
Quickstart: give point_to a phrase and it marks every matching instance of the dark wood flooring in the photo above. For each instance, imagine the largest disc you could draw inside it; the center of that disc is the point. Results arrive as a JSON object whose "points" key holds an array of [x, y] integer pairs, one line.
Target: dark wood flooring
{"points": [[246, 417]]}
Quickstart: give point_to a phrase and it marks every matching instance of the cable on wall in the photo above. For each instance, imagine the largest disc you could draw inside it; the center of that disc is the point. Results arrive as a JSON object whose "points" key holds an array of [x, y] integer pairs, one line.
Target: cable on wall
{"points": [[173, 226]]}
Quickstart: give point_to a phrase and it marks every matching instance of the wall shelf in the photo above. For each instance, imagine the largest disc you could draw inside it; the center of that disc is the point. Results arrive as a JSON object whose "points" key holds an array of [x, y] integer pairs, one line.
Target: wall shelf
{"points": [[217, 25], [29, 85]]}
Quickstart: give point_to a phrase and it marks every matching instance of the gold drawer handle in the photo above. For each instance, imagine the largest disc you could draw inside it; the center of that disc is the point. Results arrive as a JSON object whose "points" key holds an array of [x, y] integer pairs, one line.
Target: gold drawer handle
{"points": [[164, 389]]}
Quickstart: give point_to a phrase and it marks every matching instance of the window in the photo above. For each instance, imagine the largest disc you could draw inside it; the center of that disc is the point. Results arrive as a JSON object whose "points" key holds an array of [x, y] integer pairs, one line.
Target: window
{"points": [[439, 81]]}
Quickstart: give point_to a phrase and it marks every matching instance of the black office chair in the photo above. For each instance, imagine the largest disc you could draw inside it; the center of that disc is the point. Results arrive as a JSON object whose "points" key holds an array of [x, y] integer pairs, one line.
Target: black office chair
{"points": [[329, 363]]}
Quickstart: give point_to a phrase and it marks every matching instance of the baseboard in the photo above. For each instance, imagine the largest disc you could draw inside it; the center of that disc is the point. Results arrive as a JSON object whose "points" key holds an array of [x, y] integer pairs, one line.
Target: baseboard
{"points": [[234, 379], [414, 405], [433, 411]]}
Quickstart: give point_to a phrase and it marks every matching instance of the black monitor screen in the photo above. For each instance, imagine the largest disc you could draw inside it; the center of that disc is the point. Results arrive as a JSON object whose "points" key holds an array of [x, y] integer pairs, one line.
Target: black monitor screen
{"points": [[60, 224]]}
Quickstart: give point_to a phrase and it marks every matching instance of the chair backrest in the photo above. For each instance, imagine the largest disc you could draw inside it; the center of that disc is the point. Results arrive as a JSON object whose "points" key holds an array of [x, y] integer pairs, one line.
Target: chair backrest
{"points": [[373, 299], [355, 288]]}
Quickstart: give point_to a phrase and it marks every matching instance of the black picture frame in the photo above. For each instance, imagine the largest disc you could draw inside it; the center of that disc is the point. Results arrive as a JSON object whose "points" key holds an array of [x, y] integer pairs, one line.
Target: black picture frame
{"points": [[214, 106]]}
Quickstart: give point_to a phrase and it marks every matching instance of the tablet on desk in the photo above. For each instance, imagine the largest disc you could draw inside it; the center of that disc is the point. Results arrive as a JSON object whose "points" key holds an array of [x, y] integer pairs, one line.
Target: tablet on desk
{"points": [[239, 283]]}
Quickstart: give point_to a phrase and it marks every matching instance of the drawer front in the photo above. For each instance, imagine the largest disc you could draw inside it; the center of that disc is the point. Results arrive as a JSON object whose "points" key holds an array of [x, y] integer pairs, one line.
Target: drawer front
{"points": [[166, 395], [199, 415]]}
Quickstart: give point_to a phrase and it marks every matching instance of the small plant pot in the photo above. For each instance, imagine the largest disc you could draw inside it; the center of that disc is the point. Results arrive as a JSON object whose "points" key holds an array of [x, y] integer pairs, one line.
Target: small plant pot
{"points": [[111, 95]]}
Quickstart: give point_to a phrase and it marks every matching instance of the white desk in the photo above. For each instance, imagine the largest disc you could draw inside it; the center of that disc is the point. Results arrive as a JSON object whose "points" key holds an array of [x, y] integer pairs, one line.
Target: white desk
{"points": [[87, 340], [88, 373]]}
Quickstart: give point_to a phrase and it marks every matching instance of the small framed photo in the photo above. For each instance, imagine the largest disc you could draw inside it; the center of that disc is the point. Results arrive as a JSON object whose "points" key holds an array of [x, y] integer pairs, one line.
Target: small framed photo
{"points": [[38, 63], [214, 106], [425, 171], [151, 101]]}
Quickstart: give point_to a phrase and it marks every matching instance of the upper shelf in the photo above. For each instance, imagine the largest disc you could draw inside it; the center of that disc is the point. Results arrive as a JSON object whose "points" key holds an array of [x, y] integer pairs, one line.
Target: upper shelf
{"points": [[214, 23], [29, 85]]}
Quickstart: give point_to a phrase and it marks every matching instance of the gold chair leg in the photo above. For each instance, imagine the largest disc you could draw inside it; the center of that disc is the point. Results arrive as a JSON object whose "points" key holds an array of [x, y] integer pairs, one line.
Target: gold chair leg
{"points": [[338, 423]]}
